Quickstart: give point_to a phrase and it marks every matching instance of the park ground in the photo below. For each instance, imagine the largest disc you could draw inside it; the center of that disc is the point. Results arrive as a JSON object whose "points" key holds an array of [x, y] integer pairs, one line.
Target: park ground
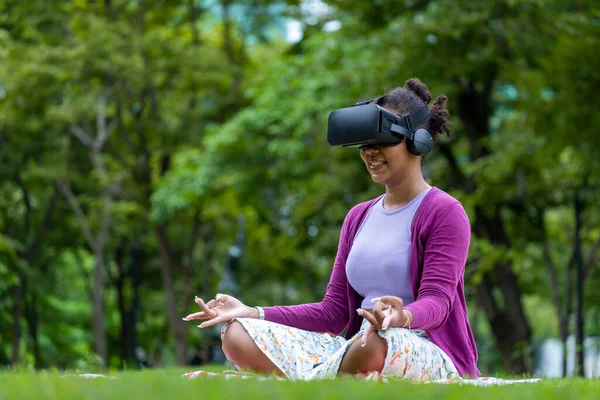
{"points": [[168, 384]]}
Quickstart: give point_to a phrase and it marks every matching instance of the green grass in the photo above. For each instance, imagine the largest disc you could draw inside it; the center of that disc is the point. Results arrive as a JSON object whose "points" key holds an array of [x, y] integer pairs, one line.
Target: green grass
{"points": [[167, 384]]}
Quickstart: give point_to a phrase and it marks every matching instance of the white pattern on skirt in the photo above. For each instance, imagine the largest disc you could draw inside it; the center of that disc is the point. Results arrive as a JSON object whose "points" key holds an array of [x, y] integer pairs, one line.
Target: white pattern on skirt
{"points": [[305, 355]]}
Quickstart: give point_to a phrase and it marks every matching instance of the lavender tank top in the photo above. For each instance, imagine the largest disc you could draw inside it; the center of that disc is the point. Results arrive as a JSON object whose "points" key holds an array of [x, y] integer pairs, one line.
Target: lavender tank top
{"points": [[378, 263]]}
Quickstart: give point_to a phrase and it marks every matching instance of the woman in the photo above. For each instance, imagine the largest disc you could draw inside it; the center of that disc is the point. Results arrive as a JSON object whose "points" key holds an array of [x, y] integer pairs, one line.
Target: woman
{"points": [[397, 286]]}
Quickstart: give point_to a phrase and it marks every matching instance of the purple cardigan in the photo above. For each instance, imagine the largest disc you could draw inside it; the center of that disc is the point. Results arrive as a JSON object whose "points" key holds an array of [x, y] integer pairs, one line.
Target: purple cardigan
{"points": [[440, 238]]}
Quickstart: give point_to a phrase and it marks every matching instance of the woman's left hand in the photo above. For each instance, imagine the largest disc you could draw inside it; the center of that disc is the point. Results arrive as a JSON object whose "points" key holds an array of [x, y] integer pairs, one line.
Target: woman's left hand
{"points": [[387, 311]]}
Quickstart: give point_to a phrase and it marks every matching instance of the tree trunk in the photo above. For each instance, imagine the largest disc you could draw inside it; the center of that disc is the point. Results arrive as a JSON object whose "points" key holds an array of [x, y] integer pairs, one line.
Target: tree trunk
{"points": [[98, 241], [17, 313], [509, 324], [561, 312], [227, 35], [32, 317], [234, 56], [29, 256], [579, 313], [124, 316], [98, 299], [510, 342], [564, 336], [137, 263], [177, 327], [119, 282]]}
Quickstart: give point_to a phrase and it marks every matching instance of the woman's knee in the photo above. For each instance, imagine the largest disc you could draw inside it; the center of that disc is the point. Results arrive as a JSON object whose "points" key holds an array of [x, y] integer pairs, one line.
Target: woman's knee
{"points": [[371, 357], [241, 350], [235, 340]]}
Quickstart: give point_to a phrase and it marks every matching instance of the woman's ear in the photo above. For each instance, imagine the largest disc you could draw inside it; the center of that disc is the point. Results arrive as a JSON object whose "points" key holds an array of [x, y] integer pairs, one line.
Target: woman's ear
{"points": [[406, 149]]}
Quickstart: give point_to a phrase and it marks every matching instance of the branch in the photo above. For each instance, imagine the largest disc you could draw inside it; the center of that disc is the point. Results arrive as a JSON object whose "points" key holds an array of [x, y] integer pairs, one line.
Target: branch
{"points": [[111, 277], [592, 258], [84, 274], [554, 284], [65, 188], [32, 249], [102, 131], [114, 153], [98, 162], [193, 17], [119, 120], [106, 221], [82, 135], [27, 201], [227, 39], [569, 285], [114, 189]]}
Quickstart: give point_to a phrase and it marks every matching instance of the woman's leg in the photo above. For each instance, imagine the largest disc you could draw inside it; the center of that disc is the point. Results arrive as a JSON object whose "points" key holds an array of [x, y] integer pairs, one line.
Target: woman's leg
{"points": [[241, 350], [360, 359]]}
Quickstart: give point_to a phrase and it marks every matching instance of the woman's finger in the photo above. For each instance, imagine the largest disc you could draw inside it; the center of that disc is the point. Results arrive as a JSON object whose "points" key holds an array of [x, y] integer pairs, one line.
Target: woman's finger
{"points": [[219, 319], [210, 312], [221, 298], [198, 315], [372, 328], [393, 301], [387, 321], [210, 304], [380, 311], [368, 316], [366, 335]]}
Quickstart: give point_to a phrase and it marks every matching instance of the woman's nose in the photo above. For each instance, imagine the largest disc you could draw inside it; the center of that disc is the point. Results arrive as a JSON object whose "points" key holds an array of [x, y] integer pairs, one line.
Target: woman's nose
{"points": [[371, 149]]}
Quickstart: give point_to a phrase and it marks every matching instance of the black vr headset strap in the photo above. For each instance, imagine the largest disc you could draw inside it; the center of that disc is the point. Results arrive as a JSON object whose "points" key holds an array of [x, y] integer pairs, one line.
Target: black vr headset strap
{"points": [[406, 124], [363, 102], [417, 118]]}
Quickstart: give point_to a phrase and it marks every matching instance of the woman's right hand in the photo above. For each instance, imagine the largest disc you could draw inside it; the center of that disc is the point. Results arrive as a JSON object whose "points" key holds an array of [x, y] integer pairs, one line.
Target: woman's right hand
{"points": [[223, 308]]}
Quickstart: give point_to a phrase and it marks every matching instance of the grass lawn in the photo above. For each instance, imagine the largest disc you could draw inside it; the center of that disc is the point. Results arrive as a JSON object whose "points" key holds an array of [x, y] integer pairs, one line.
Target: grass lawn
{"points": [[167, 384]]}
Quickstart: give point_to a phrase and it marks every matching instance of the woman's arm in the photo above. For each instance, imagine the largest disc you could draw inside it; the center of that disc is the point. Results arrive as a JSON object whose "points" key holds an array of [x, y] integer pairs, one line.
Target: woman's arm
{"points": [[443, 267]]}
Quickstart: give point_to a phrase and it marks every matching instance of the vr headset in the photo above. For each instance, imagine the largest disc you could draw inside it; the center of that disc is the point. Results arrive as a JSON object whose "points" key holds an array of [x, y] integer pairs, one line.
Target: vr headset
{"points": [[369, 124]]}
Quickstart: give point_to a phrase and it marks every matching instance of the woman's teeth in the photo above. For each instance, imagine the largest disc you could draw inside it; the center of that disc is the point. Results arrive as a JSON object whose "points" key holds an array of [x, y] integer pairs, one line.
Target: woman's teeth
{"points": [[376, 164]]}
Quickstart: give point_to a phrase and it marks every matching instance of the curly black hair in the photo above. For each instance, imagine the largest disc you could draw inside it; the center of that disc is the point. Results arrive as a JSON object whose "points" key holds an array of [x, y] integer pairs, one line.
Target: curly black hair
{"points": [[413, 96]]}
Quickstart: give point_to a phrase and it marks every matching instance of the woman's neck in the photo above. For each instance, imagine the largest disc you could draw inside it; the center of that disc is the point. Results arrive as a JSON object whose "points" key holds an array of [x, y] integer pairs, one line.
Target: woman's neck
{"points": [[401, 194]]}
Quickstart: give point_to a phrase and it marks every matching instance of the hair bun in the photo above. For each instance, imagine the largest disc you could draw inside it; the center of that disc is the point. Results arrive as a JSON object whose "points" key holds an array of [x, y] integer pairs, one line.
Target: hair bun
{"points": [[413, 97], [419, 88], [439, 122]]}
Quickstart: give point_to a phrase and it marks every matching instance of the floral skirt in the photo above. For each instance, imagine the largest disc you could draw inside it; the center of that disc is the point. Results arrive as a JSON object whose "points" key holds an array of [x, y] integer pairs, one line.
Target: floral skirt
{"points": [[305, 355]]}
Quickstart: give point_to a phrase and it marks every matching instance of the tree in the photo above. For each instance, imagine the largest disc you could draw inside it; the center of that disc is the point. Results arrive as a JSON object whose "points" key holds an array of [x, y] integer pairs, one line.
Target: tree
{"points": [[127, 86], [566, 76]]}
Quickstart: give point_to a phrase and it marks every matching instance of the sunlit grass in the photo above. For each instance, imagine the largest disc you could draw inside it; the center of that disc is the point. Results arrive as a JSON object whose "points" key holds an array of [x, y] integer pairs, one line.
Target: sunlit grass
{"points": [[168, 384]]}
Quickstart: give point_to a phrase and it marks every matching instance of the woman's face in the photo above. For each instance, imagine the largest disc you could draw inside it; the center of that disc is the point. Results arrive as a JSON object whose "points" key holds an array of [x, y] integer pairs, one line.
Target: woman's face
{"points": [[388, 165]]}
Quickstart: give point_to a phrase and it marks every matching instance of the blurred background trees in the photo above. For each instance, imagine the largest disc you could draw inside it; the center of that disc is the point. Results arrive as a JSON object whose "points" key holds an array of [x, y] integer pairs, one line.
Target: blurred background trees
{"points": [[137, 136]]}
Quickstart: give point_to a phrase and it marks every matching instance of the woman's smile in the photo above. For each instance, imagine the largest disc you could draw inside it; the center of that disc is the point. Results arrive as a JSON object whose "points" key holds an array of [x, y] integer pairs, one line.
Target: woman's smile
{"points": [[376, 166]]}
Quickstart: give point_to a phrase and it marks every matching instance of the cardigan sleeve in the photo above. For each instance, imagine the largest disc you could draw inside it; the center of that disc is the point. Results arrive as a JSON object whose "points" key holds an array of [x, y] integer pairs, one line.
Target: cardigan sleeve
{"points": [[329, 315], [445, 255]]}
